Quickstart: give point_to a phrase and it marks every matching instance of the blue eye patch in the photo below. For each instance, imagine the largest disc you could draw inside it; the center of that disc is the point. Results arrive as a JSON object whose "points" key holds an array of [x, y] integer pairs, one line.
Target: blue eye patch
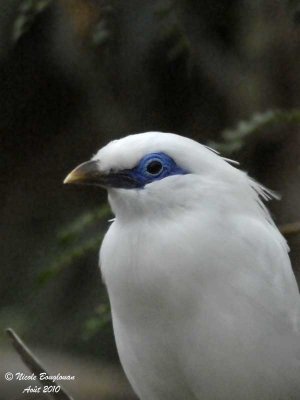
{"points": [[152, 167]]}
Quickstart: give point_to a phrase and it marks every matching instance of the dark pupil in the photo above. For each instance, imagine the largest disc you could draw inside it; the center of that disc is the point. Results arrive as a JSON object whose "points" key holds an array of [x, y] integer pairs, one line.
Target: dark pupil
{"points": [[154, 167]]}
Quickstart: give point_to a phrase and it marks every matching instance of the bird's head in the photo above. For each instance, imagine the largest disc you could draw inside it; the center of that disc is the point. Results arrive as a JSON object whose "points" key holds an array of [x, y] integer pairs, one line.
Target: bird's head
{"points": [[157, 171]]}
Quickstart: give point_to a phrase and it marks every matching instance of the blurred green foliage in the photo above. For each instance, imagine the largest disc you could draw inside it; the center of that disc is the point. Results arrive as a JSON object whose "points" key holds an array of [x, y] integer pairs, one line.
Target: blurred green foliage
{"points": [[73, 231], [101, 34], [172, 32], [258, 124], [97, 322], [74, 242], [26, 15]]}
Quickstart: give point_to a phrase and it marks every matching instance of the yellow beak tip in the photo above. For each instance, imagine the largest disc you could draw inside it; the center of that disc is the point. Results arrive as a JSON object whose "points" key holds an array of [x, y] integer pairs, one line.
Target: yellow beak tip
{"points": [[72, 177], [68, 179], [85, 173]]}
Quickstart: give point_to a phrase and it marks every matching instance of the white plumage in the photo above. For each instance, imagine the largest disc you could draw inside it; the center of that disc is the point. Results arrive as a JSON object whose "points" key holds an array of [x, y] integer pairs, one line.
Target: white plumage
{"points": [[204, 302]]}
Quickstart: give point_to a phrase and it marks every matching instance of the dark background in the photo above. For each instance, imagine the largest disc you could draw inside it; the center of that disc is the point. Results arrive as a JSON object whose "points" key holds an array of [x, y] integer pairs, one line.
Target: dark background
{"points": [[75, 74]]}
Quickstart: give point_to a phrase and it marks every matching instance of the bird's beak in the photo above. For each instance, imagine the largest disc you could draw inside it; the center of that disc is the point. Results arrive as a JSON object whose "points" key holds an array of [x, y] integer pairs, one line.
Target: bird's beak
{"points": [[87, 173]]}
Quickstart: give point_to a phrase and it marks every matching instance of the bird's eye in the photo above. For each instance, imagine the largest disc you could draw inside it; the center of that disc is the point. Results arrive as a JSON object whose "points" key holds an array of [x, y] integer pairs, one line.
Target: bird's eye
{"points": [[154, 167]]}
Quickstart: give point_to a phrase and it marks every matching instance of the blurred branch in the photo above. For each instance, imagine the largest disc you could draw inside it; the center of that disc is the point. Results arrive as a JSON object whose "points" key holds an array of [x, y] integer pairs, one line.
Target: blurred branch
{"points": [[293, 3], [72, 246], [67, 258], [172, 33], [102, 31], [70, 232], [34, 365], [234, 138], [100, 320], [100, 34], [290, 229], [26, 16]]}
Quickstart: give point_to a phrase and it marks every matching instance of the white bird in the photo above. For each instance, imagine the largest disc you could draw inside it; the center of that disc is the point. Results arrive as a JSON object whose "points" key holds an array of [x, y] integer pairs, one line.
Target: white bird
{"points": [[204, 302]]}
